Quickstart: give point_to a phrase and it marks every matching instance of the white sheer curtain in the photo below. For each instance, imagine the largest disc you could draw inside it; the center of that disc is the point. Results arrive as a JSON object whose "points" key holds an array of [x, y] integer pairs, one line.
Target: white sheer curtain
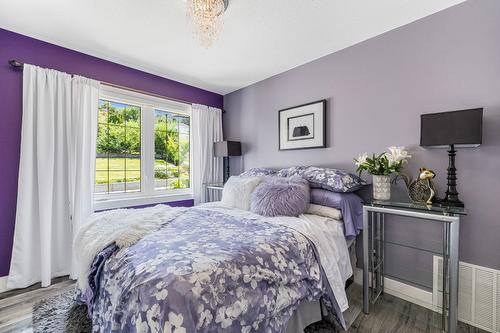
{"points": [[55, 179], [207, 129]]}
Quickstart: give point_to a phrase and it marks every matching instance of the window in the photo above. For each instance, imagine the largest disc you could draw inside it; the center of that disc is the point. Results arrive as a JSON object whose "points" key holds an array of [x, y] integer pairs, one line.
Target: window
{"points": [[118, 162], [172, 133], [143, 150]]}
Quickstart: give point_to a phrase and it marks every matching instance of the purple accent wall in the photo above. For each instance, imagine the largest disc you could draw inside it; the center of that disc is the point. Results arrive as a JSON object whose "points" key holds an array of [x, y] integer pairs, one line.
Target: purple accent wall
{"points": [[29, 50], [376, 91]]}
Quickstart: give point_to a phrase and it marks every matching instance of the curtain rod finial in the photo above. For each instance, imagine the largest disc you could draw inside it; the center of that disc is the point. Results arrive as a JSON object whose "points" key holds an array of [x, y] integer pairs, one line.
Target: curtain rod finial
{"points": [[15, 63]]}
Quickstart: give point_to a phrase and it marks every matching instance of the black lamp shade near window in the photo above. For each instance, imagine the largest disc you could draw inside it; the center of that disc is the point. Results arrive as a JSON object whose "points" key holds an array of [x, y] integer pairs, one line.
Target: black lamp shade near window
{"points": [[227, 148], [460, 128], [450, 130]]}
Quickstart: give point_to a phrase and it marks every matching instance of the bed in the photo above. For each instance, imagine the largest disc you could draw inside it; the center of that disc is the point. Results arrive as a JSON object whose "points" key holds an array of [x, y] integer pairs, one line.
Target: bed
{"points": [[210, 268]]}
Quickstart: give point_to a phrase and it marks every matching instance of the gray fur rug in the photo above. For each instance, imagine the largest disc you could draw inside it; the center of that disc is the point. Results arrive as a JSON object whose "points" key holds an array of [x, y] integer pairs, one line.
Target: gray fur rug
{"points": [[60, 314]]}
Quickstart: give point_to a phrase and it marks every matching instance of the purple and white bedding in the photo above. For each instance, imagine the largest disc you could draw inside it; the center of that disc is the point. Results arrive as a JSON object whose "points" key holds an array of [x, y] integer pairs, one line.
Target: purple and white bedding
{"points": [[216, 269], [350, 204]]}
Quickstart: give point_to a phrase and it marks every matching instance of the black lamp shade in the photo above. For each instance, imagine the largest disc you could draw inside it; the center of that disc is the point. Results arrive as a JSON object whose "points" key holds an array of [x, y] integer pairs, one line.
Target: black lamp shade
{"points": [[460, 128], [227, 148]]}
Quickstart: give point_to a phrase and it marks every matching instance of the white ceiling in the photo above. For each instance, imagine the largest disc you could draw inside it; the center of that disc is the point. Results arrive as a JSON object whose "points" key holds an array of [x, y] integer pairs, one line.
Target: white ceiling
{"points": [[260, 38]]}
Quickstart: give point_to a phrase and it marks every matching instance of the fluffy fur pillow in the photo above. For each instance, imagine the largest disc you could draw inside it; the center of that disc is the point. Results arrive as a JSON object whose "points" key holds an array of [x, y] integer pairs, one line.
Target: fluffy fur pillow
{"points": [[237, 191], [277, 196]]}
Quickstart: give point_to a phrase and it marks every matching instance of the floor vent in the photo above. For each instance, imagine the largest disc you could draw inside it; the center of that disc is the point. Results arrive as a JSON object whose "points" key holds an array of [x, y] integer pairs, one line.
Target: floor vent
{"points": [[478, 295]]}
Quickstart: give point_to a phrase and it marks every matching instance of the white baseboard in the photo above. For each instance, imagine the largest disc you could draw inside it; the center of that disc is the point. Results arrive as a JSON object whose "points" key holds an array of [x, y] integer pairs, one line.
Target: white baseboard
{"points": [[401, 290], [3, 284]]}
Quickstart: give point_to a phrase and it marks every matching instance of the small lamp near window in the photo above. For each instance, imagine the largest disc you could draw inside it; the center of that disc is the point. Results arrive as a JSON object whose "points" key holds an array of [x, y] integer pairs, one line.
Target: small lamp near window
{"points": [[451, 130], [226, 149]]}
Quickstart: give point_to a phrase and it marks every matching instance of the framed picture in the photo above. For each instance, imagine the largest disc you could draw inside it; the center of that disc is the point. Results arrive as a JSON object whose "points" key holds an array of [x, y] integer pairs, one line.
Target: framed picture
{"points": [[303, 126]]}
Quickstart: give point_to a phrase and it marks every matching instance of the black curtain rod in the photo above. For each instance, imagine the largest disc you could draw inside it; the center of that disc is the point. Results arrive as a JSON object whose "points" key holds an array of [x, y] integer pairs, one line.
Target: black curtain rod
{"points": [[19, 65]]}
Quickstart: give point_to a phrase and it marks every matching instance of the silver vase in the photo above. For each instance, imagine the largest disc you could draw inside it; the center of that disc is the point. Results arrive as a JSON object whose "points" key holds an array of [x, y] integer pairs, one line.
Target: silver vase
{"points": [[381, 187]]}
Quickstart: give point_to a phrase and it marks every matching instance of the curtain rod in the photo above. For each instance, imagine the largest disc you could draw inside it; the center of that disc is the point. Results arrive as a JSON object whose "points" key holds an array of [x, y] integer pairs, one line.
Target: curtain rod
{"points": [[19, 65]]}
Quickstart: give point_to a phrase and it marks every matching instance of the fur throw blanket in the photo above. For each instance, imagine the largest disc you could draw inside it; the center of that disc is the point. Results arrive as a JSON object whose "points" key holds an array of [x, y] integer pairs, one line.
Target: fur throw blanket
{"points": [[123, 227]]}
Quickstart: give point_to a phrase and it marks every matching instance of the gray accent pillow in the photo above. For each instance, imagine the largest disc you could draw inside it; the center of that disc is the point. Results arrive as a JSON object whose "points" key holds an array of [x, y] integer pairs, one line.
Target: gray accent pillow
{"points": [[277, 196]]}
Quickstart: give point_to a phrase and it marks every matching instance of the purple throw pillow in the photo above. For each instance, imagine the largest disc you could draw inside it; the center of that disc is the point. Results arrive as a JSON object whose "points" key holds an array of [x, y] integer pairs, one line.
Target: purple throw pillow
{"points": [[333, 179], [277, 196], [292, 171], [350, 204]]}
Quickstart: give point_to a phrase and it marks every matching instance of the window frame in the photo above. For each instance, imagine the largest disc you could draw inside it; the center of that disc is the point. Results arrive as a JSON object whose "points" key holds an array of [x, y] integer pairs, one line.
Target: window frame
{"points": [[148, 194]]}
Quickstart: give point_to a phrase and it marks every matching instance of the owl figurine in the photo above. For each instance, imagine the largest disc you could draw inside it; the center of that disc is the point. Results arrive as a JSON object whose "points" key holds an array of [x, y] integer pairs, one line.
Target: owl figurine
{"points": [[422, 189]]}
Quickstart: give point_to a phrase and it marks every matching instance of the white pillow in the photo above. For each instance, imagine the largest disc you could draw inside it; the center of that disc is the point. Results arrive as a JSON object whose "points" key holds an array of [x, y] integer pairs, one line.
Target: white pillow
{"points": [[325, 211], [237, 191]]}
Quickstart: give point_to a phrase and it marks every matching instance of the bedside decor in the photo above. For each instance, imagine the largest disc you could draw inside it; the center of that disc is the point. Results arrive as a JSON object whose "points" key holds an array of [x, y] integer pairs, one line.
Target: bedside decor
{"points": [[381, 167], [452, 129], [375, 215], [226, 149], [213, 192], [303, 126], [420, 189]]}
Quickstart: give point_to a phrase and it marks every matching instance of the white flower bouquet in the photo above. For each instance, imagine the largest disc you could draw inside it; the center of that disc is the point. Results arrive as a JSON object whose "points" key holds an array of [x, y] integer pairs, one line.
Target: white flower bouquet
{"points": [[383, 164]]}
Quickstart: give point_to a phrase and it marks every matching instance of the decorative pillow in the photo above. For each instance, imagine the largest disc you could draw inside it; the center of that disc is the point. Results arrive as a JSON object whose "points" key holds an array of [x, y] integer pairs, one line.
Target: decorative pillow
{"points": [[333, 180], [291, 171], [349, 204], [237, 191], [259, 172], [325, 211], [281, 197]]}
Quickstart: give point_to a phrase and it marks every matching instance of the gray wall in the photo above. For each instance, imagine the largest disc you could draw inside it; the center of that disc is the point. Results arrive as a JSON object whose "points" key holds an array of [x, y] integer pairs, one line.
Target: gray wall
{"points": [[376, 91]]}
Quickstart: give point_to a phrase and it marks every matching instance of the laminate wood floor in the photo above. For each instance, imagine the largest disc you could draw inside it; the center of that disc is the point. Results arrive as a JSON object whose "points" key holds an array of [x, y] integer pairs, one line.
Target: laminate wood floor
{"points": [[394, 315], [16, 306], [389, 315]]}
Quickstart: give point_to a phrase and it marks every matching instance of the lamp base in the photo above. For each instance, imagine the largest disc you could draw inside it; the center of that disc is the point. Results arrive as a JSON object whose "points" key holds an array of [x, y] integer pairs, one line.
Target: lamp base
{"points": [[445, 202], [225, 166], [451, 198]]}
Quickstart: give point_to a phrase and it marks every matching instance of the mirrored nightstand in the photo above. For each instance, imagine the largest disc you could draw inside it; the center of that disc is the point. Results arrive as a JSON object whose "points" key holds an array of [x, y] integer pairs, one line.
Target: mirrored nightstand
{"points": [[374, 213], [213, 192]]}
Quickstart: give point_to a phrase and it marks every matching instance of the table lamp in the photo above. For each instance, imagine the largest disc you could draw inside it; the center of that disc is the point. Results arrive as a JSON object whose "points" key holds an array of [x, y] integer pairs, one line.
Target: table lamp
{"points": [[226, 149], [455, 129]]}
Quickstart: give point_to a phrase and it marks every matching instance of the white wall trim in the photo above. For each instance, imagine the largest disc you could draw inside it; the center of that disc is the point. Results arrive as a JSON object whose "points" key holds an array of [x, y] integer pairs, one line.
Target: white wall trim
{"points": [[3, 284], [401, 290], [139, 200]]}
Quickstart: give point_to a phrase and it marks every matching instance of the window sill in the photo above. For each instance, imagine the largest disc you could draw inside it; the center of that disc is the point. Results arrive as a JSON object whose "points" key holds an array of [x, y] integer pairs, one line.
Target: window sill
{"points": [[128, 202]]}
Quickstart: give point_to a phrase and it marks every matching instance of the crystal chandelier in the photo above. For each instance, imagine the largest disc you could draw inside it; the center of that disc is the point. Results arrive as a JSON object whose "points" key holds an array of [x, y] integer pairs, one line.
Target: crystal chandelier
{"points": [[206, 17]]}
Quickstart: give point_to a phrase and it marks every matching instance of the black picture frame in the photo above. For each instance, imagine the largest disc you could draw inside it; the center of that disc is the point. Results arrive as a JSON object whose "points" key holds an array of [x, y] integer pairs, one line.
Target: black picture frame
{"points": [[323, 126]]}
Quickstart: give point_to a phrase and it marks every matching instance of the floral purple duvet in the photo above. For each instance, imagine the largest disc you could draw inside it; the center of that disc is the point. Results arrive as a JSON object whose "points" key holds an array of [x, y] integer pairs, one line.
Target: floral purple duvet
{"points": [[208, 270]]}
